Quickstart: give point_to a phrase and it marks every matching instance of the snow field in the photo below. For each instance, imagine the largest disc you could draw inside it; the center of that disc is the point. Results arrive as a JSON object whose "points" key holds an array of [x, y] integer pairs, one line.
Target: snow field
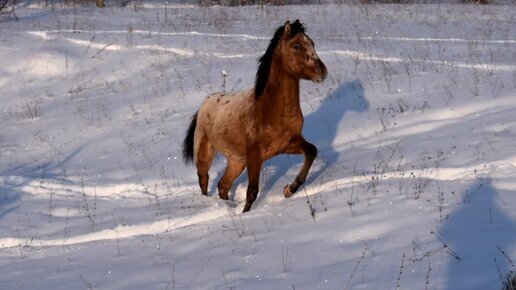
{"points": [[413, 187]]}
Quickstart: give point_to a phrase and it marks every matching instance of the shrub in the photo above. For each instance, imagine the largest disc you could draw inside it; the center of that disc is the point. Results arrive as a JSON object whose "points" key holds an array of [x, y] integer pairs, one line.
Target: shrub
{"points": [[509, 283]]}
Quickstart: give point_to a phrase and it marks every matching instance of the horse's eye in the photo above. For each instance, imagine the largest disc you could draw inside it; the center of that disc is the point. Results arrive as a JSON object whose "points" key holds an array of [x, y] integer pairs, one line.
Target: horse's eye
{"points": [[297, 46]]}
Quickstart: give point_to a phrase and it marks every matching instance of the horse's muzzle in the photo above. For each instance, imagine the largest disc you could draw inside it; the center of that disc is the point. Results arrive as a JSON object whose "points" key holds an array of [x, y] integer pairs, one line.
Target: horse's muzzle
{"points": [[322, 71]]}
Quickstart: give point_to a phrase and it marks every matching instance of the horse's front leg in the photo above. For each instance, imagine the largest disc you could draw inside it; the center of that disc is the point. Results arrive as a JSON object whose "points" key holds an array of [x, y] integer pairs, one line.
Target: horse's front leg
{"points": [[254, 165], [298, 145]]}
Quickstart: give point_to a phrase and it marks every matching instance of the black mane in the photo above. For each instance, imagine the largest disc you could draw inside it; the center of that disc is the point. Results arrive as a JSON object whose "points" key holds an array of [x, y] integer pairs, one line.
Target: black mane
{"points": [[264, 63]]}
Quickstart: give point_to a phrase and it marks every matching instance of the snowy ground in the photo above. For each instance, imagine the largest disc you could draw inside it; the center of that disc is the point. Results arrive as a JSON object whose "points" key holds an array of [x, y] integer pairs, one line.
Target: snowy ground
{"points": [[414, 187]]}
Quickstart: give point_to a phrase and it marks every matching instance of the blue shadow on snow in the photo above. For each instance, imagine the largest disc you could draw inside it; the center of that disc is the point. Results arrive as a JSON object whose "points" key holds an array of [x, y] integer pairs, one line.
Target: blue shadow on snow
{"points": [[11, 188], [478, 232]]}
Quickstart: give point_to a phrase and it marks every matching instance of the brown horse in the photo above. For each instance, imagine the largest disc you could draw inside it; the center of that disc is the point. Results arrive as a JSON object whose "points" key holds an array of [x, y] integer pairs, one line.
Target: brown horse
{"points": [[252, 126]]}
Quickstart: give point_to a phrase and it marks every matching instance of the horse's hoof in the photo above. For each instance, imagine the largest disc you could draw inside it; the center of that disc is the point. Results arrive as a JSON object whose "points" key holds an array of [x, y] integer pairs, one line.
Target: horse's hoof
{"points": [[286, 191], [223, 196]]}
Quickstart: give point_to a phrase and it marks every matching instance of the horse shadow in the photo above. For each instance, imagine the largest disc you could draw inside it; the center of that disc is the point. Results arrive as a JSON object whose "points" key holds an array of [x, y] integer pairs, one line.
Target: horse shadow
{"points": [[11, 188], [320, 128], [479, 233]]}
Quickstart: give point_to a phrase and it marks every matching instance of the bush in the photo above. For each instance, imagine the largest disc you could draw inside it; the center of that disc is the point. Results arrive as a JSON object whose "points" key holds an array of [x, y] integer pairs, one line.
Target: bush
{"points": [[98, 3], [7, 7], [510, 281]]}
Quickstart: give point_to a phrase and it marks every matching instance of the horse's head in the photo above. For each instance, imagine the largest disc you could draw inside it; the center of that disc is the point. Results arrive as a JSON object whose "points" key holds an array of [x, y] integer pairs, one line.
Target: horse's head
{"points": [[294, 51], [298, 54]]}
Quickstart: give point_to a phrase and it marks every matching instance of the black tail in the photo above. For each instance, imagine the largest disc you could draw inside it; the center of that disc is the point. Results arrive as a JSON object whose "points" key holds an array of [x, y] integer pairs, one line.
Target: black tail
{"points": [[188, 143]]}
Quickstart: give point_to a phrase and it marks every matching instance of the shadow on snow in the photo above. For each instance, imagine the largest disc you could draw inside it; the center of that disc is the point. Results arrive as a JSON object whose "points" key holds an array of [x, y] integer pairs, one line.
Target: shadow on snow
{"points": [[15, 179], [478, 231]]}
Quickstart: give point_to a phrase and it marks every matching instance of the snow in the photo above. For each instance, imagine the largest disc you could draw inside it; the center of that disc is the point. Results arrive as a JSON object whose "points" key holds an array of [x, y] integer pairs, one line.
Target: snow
{"points": [[413, 187]]}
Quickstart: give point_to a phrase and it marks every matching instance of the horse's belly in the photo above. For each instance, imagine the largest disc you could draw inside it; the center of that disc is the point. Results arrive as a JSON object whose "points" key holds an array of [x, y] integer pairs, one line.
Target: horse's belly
{"points": [[232, 148]]}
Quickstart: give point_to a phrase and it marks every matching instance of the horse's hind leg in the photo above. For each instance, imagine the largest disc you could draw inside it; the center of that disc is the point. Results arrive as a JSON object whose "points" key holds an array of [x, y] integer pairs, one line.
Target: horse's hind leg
{"points": [[299, 145], [233, 170], [204, 156]]}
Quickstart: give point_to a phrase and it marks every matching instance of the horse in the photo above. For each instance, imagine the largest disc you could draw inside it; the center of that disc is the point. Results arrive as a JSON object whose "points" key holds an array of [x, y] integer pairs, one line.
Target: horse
{"points": [[252, 126]]}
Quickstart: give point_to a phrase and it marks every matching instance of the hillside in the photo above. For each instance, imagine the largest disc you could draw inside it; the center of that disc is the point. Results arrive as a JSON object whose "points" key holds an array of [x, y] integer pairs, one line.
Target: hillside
{"points": [[413, 188]]}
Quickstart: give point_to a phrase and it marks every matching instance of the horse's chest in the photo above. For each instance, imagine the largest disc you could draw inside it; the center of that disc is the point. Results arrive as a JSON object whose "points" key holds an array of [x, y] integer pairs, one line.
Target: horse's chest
{"points": [[274, 139]]}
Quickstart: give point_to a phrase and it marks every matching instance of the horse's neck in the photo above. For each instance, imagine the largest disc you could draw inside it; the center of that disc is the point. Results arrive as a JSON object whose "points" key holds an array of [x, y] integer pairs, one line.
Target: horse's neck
{"points": [[281, 96]]}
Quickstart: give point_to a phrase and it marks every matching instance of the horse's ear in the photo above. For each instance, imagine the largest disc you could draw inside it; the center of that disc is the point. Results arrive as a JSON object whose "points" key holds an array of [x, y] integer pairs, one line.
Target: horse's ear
{"points": [[287, 29]]}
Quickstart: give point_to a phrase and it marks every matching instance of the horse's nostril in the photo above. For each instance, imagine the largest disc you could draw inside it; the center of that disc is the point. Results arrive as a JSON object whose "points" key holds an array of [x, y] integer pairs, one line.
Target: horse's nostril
{"points": [[321, 70]]}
